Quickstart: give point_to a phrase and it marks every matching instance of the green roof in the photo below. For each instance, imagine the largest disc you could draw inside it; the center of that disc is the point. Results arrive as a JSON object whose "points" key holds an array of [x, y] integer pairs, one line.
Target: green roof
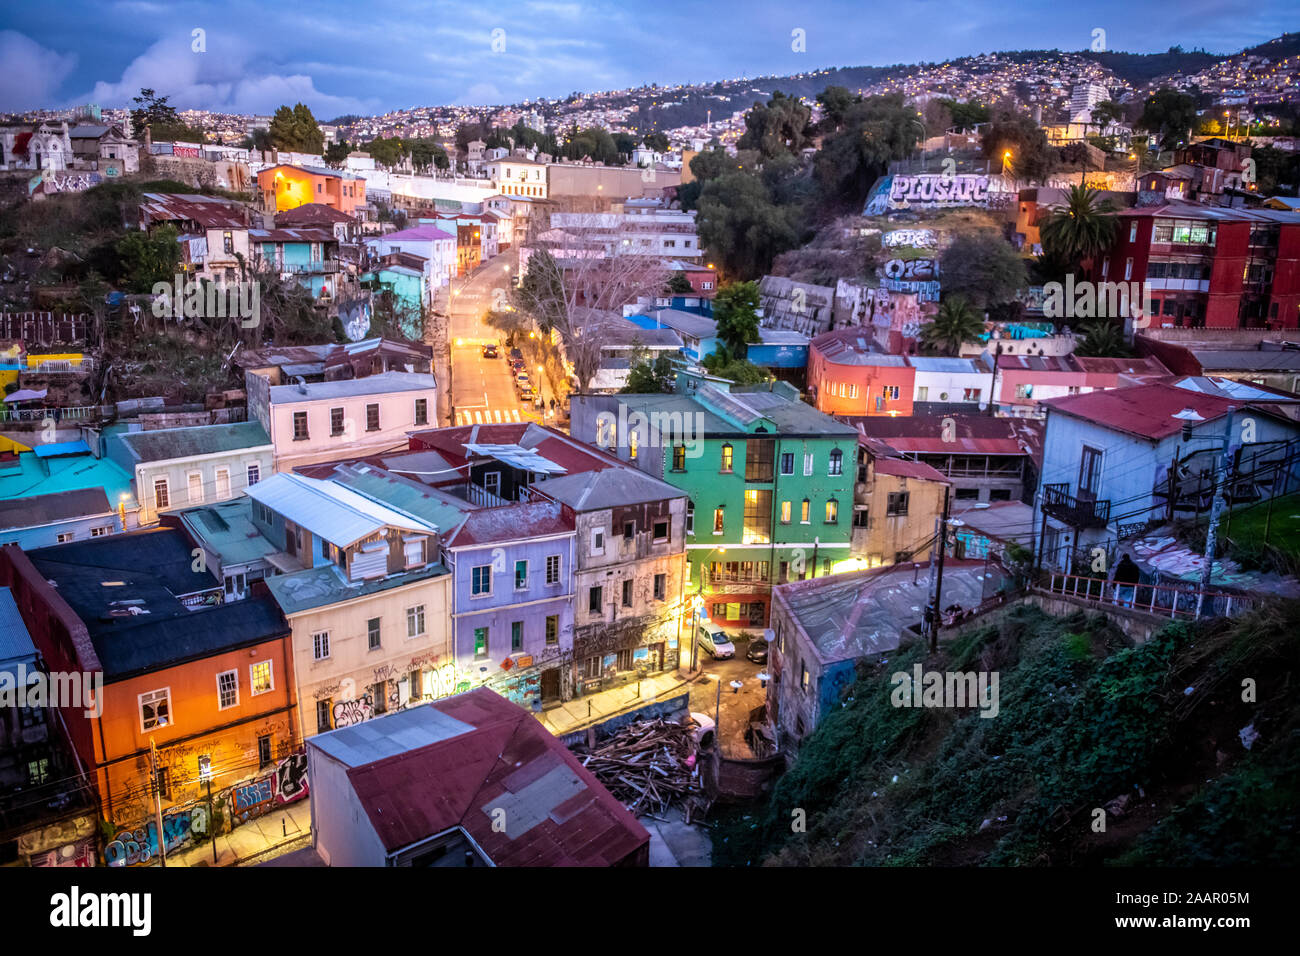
{"points": [[227, 528], [326, 585]]}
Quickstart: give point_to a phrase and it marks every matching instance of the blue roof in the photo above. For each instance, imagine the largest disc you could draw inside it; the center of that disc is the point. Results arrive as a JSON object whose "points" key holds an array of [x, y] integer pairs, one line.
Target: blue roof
{"points": [[47, 476], [58, 449], [15, 643]]}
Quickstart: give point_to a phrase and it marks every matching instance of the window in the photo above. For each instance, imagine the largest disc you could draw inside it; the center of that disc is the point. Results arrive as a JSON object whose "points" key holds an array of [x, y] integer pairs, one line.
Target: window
{"points": [[1089, 473], [890, 392], [162, 780], [629, 530], [717, 521], [758, 459], [155, 709], [415, 621], [521, 575], [837, 462], [516, 636], [323, 710], [597, 540], [552, 569], [1133, 231], [320, 645], [379, 693], [374, 634], [807, 463], [161, 494], [690, 517], [552, 629], [263, 750], [64, 537], [372, 418], [785, 512], [261, 678], [1024, 391], [492, 482], [421, 411], [922, 393], [832, 512], [595, 600], [632, 445], [300, 426], [222, 483], [999, 494], [896, 504], [254, 474], [805, 511], [970, 394], [627, 592], [660, 530], [787, 463], [757, 527], [480, 580], [101, 532], [861, 519], [725, 466], [803, 675], [195, 487], [336, 422], [679, 458], [480, 642], [1128, 269], [661, 586], [38, 771], [228, 242]]}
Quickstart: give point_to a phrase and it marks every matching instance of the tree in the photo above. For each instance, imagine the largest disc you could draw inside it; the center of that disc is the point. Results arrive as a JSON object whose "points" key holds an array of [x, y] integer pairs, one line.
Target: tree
{"points": [[966, 115], [1105, 113], [295, 129], [1102, 339], [148, 258], [1170, 116], [735, 310], [742, 227], [873, 132], [739, 370], [835, 102], [1081, 229], [427, 152], [336, 154], [781, 126], [164, 124], [656, 141], [578, 296], [651, 375], [680, 285], [387, 152], [955, 324], [983, 268], [1032, 158]]}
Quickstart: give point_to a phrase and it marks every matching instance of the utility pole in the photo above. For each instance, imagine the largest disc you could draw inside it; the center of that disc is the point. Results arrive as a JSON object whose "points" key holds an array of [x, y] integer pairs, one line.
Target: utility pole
{"points": [[1216, 511], [157, 803], [938, 578]]}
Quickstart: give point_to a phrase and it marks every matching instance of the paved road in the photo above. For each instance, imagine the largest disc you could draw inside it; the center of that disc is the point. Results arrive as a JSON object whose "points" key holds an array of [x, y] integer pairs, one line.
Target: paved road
{"points": [[732, 707]]}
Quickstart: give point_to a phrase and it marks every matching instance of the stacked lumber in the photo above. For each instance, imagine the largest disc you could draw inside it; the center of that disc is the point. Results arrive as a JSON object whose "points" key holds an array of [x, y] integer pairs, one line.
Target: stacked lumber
{"points": [[649, 766]]}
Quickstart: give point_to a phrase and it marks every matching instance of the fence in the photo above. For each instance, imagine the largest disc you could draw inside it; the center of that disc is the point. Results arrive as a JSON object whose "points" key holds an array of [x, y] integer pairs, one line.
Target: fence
{"points": [[69, 414], [1173, 601]]}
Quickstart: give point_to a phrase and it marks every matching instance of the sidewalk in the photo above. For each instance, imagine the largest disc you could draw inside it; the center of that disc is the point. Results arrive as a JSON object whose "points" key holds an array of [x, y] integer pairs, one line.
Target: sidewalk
{"points": [[594, 708], [255, 837]]}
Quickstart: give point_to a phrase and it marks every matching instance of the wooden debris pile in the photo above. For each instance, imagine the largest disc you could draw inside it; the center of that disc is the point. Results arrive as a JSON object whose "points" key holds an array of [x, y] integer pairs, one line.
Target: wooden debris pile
{"points": [[649, 766]]}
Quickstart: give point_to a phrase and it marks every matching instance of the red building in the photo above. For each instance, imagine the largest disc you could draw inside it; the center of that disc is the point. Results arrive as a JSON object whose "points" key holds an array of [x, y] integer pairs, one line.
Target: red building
{"points": [[849, 375], [1209, 266]]}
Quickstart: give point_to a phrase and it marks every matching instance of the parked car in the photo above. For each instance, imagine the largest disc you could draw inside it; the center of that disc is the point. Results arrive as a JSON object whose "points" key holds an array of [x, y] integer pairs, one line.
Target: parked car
{"points": [[489, 351], [704, 730], [516, 356], [757, 651], [526, 393], [715, 642]]}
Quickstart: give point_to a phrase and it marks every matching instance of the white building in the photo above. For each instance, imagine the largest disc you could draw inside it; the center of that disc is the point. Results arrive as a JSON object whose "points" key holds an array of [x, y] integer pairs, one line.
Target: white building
{"points": [[429, 242]]}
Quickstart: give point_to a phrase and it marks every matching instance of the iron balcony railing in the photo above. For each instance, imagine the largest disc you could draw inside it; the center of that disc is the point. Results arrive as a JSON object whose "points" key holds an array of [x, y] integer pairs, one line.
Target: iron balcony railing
{"points": [[1076, 511]]}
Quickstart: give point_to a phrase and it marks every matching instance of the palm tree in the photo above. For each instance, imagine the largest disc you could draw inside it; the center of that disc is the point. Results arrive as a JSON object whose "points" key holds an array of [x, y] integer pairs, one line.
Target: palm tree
{"points": [[1081, 229], [955, 322], [1102, 339]]}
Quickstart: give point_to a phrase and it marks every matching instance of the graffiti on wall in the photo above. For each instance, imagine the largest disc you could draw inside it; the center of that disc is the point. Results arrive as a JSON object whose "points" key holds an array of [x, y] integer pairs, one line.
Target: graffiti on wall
{"points": [[925, 291], [140, 845], [921, 270], [939, 190], [69, 182], [349, 712], [918, 238], [80, 853]]}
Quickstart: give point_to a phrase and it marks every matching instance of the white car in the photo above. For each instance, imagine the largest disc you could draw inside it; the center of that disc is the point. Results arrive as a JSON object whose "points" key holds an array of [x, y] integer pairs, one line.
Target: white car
{"points": [[715, 642], [704, 730]]}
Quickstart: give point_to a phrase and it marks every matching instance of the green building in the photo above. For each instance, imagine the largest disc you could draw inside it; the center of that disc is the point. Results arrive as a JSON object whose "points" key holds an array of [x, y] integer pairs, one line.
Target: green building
{"points": [[770, 481]]}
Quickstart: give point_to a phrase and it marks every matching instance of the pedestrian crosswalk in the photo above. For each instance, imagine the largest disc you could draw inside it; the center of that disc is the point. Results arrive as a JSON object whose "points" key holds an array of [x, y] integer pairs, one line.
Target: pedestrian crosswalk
{"points": [[488, 416]]}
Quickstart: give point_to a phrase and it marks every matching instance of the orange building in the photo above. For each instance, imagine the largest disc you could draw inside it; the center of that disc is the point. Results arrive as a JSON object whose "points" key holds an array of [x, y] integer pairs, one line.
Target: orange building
{"points": [[849, 375], [201, 686], [288, 187]]}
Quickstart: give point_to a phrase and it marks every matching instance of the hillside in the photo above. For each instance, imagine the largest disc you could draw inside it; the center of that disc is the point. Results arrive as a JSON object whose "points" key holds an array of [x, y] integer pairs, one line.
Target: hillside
{"points": [[1156, 734]]}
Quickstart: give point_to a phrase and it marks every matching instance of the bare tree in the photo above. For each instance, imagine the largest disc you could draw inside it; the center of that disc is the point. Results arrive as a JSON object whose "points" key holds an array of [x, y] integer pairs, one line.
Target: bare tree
{"points": [[579, 277]]}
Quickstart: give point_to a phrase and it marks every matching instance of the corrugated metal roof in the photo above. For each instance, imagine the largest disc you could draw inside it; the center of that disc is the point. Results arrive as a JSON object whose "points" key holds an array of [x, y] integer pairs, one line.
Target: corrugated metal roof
{"points": [[371, 385], [328, 509], [15, 642], [167, 444]]}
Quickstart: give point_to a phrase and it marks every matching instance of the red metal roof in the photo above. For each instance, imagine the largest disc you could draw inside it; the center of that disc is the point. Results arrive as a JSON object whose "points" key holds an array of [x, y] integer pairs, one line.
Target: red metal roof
{"points": [[1144, 410], [527, 520], [429, 790], [903, 468]]}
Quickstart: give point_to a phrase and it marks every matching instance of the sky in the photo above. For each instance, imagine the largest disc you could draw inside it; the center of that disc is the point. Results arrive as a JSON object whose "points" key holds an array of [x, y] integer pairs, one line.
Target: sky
{"points": [[343, 56]]}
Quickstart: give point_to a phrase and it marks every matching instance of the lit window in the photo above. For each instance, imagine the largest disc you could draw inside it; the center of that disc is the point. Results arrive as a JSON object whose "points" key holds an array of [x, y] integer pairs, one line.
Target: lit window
{"points": [[726, 458], [155, 709], [261, 678]]}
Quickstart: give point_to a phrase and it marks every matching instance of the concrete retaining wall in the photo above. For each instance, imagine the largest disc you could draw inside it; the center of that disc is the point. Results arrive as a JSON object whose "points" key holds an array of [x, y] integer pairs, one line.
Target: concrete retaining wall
{"points": [[670, 708]]}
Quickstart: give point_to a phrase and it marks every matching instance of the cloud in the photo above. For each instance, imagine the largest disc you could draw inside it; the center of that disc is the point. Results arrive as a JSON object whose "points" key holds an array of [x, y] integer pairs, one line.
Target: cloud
{"points": [[481, 94], [219, 79], [32, 74]]}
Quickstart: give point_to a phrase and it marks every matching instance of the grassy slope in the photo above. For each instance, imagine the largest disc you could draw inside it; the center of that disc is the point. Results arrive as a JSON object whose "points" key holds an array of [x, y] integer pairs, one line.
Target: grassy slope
{"points": [[1084, 719]]}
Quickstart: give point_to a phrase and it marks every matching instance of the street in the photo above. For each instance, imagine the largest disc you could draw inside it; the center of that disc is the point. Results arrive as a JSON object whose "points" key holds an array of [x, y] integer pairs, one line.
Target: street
{"points": [[733, 707]]}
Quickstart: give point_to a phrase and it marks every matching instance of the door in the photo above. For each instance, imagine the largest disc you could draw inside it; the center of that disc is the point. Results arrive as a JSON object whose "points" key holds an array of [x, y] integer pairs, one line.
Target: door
{"points": [[550, 685]]}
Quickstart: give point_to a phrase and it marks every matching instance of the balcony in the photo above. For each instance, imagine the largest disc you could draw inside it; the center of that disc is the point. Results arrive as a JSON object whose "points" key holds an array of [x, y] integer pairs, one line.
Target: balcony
{"points": [[1077, 512]]}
